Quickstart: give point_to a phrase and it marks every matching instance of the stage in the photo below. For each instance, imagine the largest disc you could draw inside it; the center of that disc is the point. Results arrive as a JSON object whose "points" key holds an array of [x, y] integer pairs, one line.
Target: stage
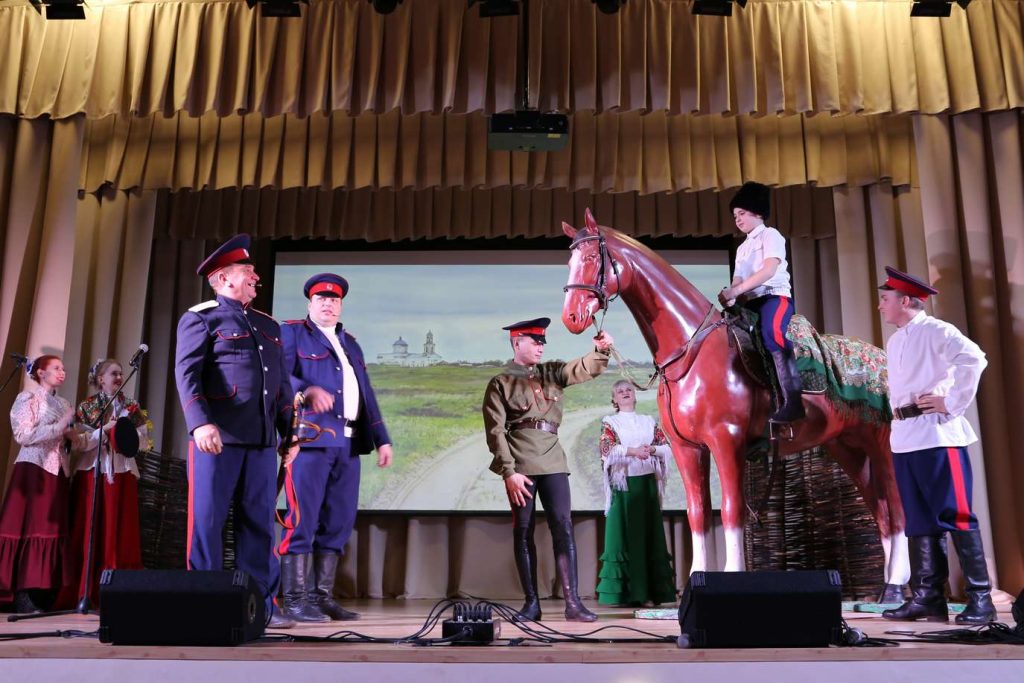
{"points": [[85, 659]]}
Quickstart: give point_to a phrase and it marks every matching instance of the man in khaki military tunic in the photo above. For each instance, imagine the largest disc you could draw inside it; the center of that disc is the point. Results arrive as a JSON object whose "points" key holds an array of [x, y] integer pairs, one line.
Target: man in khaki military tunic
{"points": [[522, 410]]}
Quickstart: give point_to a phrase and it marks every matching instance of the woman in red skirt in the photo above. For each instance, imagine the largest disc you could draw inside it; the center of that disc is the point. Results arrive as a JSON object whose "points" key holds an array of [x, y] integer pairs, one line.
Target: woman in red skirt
{"points": [[33, 518], [118, 544]]}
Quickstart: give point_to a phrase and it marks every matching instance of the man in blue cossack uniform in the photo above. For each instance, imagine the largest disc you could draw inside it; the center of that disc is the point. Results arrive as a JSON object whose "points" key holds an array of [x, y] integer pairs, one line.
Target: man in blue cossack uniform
{"points": [[234, 390], [343, 422]]}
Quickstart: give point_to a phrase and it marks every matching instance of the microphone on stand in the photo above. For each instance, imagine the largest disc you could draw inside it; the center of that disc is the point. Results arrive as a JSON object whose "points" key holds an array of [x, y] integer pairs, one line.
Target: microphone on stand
{"points": [[19, 359], [137, 357]]}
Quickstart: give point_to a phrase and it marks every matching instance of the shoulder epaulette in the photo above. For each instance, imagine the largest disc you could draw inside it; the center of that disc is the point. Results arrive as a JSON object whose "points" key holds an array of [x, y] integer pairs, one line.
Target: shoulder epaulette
{"points": [[212, 303], [295, 322]]}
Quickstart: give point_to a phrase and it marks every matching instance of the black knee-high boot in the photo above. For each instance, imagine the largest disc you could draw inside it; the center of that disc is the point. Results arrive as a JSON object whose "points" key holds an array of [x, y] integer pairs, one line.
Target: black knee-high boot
{"points": [[325, 568], [526, 564], [791, 406], [565, 562], [294, 574], [929, 571], [970, 549]]}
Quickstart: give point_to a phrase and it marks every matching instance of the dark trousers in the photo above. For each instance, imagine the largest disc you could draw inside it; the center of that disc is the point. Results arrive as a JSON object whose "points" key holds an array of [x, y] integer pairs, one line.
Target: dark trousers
{"points": [[246, 475], [553, 491], [935, 487], [775, 312], [327, 492]]}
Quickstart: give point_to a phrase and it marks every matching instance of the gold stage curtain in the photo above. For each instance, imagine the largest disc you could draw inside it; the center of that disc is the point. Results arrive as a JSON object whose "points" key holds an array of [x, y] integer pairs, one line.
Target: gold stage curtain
{"points": [[609, 152], [774, 56], [386, 215]]}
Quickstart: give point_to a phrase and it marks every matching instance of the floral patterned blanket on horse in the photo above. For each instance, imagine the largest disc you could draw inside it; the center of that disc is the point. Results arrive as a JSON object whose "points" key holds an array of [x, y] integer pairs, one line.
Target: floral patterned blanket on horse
{"points": [[850, 371]]}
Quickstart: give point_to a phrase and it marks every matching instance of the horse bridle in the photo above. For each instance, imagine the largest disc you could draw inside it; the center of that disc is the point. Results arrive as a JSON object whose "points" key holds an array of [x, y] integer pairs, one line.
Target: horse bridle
{"points": [[597, 289]]}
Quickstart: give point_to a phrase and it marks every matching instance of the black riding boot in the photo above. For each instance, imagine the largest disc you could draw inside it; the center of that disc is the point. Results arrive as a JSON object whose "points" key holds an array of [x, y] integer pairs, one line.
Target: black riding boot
{"points": [[325, 564], [971, 551], [929, 571], [526, 564], [791, 406], [565, 563], [293, 584]]}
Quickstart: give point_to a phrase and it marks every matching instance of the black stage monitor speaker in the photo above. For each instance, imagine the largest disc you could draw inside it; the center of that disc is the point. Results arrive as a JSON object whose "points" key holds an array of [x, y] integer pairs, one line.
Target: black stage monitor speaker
{"points": [[761, 609], [178, 607]]}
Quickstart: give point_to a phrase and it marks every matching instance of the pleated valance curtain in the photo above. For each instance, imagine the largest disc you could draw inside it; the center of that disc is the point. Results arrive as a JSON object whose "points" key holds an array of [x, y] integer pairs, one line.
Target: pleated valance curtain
{"points": [[387, 215], [609, 152], [774, 56]]}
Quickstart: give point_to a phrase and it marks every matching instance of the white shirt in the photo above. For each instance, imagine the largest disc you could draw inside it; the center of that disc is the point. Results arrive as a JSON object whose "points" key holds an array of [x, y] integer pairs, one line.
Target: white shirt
{"points": [[350, 391], [764, 243], [632, 429], [112, 462], [38, 421], [928, 355]]}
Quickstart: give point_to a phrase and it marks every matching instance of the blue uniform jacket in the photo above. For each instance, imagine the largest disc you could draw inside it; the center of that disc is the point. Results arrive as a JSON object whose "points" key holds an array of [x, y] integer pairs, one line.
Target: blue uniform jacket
{"points": [[311, 361], [230, 372]]}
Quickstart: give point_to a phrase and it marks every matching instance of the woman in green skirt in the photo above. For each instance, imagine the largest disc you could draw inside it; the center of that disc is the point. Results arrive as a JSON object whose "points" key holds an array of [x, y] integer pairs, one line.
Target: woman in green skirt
{"points": [[636, 568]]}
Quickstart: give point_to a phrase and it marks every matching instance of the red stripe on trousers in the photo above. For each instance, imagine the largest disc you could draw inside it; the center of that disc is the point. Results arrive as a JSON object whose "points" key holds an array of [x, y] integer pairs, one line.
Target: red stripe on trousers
{"points": [[293, 509], [780, 313], [963, 510], [191, 503]]}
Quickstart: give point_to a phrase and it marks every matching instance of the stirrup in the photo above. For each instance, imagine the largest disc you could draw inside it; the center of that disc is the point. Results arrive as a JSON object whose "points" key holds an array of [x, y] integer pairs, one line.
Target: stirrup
{"points": [[780, 431]]}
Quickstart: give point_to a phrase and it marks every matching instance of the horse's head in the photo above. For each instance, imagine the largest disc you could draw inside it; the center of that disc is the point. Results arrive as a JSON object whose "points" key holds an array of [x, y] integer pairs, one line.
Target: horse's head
{"points": [[593, 279]]}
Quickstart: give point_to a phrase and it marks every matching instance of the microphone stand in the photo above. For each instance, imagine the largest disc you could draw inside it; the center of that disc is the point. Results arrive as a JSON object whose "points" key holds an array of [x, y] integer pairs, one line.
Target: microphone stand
{"points": [[14, 372], [84, 606]]}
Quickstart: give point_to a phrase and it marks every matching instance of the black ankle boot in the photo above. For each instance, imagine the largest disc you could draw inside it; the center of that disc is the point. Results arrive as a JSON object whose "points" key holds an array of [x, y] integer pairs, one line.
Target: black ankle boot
{"points": [[526, 566], [928, 573], [791, 406], [970, 549], [293, 586], [23, 603], [325, 566], [565, 562]]}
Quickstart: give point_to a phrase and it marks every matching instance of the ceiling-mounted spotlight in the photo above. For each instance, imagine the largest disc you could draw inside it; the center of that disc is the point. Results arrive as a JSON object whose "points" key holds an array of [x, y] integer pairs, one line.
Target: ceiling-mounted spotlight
{"points": [[609, 6], [716, 8], [496, 8], [385, 6], [936, 8], [277, 9], [60, 9]]}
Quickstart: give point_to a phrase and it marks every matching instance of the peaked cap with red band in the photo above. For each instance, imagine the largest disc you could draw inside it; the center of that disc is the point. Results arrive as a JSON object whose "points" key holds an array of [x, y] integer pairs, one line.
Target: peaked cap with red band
{"points": [[235, 250], [906, 284], [325, 284], [535, 328]]}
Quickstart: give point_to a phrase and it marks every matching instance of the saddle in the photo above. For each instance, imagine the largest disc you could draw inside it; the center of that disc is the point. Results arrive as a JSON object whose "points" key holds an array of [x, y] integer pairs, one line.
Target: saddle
{"points": [[742, 330]]}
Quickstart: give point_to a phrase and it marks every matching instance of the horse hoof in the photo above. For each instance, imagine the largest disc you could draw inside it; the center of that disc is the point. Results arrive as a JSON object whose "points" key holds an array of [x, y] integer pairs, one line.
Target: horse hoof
{"points": [[891, 594]]}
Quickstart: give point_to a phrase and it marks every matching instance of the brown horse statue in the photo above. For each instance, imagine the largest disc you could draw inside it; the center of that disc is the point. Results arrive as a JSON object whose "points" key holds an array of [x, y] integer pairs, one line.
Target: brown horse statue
{"points": [[708, 403]]}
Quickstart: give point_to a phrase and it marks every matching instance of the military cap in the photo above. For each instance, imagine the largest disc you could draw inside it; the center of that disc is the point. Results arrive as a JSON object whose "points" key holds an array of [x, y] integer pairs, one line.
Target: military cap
{"points": [[906, 284], [325, 284], [753, 197], [535, 328], [124, 438], [235, 250]]}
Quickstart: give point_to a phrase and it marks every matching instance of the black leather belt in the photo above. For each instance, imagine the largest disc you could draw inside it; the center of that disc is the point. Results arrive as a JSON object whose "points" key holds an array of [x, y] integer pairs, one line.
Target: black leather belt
{"points": [[906, 412], [542, 425]]}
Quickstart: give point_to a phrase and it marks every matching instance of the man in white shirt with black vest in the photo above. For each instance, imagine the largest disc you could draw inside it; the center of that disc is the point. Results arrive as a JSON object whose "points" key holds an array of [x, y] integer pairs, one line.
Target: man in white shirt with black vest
{"points": [[934, 372]]}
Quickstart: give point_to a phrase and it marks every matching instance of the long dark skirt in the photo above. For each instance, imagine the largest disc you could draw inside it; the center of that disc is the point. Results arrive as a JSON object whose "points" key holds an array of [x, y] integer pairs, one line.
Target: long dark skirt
{"points": [[33, 531]]}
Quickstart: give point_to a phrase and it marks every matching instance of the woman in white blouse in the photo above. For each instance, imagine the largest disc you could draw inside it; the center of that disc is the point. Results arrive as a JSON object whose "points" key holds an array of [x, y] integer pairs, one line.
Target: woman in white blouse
{"points": [[635, 567], [118, 541], [33, 518]]}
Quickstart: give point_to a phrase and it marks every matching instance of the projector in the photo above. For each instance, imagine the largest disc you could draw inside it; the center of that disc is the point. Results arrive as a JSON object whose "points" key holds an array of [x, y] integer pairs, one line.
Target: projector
{"points": [[528, 131]]}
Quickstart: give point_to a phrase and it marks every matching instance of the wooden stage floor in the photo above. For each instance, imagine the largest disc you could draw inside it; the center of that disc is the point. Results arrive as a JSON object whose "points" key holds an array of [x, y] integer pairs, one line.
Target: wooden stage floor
{"points": [[43, 657]]}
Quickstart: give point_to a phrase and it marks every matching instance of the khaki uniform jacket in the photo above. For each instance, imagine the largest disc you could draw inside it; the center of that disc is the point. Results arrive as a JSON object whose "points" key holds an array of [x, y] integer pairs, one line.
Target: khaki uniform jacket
{"points": [[532, 393]]}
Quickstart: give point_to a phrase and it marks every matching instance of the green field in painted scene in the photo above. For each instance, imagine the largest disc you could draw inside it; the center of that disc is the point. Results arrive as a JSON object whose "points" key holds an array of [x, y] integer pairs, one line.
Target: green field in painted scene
{"points": [[441, 457]]}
